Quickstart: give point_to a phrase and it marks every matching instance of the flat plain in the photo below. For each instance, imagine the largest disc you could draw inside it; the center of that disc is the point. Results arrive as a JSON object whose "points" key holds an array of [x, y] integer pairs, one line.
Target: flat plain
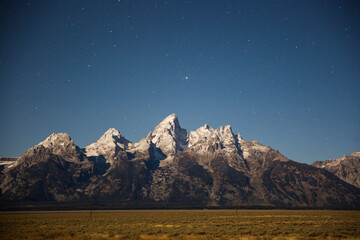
{"points": [[181, 224]]}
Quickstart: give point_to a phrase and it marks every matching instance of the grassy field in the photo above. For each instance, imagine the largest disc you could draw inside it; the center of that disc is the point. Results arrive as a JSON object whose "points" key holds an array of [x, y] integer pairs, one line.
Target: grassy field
{"points": [[181, 224]]}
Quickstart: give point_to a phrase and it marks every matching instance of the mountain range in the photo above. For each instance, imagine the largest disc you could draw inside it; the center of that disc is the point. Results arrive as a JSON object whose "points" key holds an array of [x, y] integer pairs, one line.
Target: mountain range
{"points": [[170, 166]]}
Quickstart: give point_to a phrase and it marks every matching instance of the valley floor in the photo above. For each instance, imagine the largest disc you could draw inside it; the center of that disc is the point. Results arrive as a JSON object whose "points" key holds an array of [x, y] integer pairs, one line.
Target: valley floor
{"points": [[181, 224]]}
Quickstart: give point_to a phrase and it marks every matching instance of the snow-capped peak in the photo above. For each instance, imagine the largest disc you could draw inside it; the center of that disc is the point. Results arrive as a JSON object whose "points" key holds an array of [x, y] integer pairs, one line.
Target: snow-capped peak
{"points": [[108, 145], [226, 134], [171, 118], [170, 123], [201, 134], [111, 135], [59, 144], [169, 136], [206, 139], [56, 139]]}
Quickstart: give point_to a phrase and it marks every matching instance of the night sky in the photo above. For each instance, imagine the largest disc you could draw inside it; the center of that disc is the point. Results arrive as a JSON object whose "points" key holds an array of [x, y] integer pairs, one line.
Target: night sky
{"points": [[284, 73]]}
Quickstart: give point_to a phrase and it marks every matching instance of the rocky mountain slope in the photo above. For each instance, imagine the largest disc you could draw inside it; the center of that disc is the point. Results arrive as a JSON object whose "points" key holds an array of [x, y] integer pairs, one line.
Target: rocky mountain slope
{"points": [[48, 171], [347, 168], [206, 167]]}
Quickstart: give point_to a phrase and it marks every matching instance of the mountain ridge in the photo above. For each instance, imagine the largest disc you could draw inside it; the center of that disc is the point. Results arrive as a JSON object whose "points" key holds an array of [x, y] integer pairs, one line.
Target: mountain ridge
{"points": [[346, 168], [206, 167]]}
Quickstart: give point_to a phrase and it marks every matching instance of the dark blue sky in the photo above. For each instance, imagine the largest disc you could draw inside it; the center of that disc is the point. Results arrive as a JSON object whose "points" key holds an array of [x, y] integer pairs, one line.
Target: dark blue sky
{"points": [[285, 73]]}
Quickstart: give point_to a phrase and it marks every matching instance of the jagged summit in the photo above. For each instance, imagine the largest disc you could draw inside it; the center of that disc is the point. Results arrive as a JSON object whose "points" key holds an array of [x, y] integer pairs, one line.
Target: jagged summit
{"points": [[206, 167], [111, 132], [61, 144], [108, 145], [206, 139], [171, 123], [171, 118], [200, 134], [58, 144], [169, 137], [56, 138], [112, 136]]}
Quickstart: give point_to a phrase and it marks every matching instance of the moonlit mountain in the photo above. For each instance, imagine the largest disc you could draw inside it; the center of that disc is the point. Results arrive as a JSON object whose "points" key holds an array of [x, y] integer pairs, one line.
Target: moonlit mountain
{"points": [[170, 166]]}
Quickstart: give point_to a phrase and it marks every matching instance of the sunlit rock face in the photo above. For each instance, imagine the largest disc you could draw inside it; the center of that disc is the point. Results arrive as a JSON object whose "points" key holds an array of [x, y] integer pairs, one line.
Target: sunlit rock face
{"points": [[206, 167]]}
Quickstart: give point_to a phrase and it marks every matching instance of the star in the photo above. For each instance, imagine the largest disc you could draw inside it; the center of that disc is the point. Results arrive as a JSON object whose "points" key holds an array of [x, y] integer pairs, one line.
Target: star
{"points": [[186, 77]]}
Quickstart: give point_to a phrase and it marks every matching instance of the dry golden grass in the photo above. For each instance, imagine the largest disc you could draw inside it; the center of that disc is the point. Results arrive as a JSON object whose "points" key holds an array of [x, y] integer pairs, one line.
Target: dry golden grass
{"points": [[181, 224]]}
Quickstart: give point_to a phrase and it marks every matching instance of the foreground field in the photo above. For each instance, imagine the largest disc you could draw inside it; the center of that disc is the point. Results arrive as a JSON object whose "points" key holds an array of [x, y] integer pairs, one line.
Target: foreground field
{"points": [[181, 224]]}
